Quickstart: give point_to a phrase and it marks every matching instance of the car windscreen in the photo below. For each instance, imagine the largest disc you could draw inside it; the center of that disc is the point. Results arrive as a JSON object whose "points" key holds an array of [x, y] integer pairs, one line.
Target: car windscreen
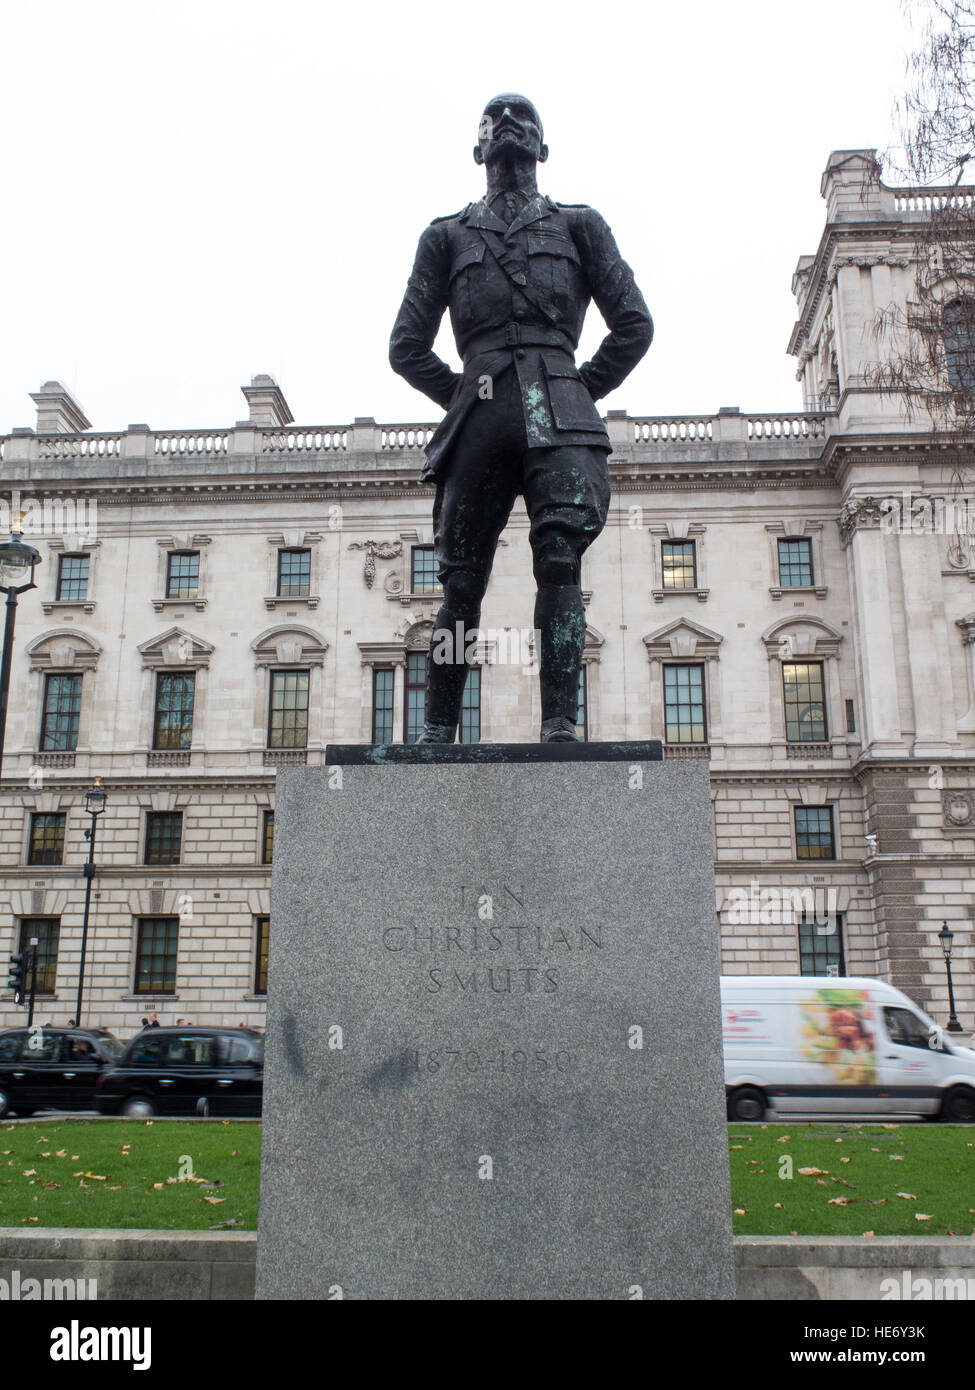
{"points": [[109, 1045]]}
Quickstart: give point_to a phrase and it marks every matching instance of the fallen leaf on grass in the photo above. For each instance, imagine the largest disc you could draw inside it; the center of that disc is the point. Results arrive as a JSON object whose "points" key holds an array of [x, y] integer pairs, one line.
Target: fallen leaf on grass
{"points": [[785, 1139], [846, 1160], [908, 1196], [919, 1216], [47, 1155], [896, 1158], [820, 1182], [877, 1201], [840, 1201], [52, 1184], [812, 1172], [30, 1172], [868, 1233], [740, 1211], [212, 1200], [61, 1153], [96, 1177], [778, 1206], [159, 1186]]}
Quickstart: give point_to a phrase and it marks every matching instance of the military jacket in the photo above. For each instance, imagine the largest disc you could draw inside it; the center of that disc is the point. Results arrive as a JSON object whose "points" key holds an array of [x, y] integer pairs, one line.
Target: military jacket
{"points": [[517, 297]]}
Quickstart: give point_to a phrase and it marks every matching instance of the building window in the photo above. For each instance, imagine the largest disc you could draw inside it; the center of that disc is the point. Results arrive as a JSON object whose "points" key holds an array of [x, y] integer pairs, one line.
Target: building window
{"points": [[814, 832], [62, 711], [679, 564], [958, 322], [470, 708], [288, 721], [805, 704], [424, 576], [155, 959], [183, 574], [46, 838], [821, 945], [47, 930], [684, 720], [72, 577], [267, 838], [416, 695], [582, 710], [382, 705], [795, 564], [260, 955], [851, 717], [164, 832], [294, 573], [173, 723]]}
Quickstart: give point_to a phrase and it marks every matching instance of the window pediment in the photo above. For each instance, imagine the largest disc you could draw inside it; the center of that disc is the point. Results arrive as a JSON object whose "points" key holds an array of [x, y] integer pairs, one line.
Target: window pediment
{"points": [[176, 648], [683, 640], [63, 650], [290, 645], [801, 637]]}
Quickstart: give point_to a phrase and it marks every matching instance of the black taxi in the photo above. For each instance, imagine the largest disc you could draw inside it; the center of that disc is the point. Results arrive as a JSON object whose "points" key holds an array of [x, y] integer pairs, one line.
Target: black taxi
{"points": [[186, 1071], [53, 1068]]}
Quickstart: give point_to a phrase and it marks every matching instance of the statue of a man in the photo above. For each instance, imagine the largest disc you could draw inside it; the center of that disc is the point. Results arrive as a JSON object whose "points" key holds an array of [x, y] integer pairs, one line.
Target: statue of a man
{"points": [[517, 272]]}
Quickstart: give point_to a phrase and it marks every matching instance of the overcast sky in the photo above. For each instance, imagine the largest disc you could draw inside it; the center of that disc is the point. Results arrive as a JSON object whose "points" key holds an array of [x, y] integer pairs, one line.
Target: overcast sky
{"points": [[197, 192]]}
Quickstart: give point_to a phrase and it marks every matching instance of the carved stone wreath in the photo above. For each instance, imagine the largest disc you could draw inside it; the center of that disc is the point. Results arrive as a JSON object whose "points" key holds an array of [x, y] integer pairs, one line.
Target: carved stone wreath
{"points": [[958, 808], [376, 550]]}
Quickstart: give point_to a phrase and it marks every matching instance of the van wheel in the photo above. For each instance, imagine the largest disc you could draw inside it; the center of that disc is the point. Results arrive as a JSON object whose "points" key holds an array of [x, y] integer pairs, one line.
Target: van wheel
{"points": [[958, 1106], [747, 1103], [138, 1108]]}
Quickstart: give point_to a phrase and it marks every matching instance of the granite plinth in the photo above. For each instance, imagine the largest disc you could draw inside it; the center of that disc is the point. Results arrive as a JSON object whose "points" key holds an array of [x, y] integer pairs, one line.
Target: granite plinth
{"points": [[494, 1049]]}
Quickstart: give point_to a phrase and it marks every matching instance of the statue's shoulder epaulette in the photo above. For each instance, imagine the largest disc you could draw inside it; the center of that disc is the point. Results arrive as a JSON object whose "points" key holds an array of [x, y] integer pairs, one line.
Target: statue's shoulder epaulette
{"points": [[451, 216], [571, 207]]}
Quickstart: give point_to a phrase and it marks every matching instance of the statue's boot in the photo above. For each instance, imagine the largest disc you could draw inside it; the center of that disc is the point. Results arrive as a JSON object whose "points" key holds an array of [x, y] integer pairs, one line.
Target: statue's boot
{"points": [[560, 620], [446, 676]]}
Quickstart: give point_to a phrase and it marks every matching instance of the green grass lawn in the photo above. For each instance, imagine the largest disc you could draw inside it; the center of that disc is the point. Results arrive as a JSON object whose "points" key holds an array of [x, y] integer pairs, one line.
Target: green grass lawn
{"points": [[130, 1173], [863, 1170], [180, 1177]]}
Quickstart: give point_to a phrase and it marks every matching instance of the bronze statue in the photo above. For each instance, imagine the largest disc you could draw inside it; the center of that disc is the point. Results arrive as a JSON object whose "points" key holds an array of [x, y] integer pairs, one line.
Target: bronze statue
{"points": [[517, 272]]}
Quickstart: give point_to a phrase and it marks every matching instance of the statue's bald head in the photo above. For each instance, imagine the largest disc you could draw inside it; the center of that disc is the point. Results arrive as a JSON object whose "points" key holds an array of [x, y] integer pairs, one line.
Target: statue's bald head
{"points": [[510, 120]]}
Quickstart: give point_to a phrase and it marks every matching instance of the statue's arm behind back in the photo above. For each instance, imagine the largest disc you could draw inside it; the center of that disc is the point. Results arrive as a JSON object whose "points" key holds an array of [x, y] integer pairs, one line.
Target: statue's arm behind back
{"points": [[620, 302], [411, 352]]}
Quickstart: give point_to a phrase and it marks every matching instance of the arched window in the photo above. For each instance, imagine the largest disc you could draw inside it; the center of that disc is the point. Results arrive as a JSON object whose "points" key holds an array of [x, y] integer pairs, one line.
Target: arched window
{"points": [[958, 325]]}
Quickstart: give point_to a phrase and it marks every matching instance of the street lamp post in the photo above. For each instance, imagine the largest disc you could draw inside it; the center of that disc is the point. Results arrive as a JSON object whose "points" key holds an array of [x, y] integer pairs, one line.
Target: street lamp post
{"points": [[17, 560], [94, 804], [946, 937]]}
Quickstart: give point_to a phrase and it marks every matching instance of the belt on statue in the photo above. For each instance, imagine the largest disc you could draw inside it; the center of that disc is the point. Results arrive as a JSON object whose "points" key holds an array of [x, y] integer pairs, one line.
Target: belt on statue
{"points": [[517, 335]]}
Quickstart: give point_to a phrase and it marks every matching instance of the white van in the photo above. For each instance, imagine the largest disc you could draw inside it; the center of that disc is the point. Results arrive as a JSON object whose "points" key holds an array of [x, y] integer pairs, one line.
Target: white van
{"points": [[815, 1044]]}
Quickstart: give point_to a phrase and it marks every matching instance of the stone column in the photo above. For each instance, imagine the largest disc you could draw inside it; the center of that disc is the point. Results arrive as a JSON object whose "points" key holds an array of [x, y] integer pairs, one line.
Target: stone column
{"points": [[860, 531], [927, 648]]}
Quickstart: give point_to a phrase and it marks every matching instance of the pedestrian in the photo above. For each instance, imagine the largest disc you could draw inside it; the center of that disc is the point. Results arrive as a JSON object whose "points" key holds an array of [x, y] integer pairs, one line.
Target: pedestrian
{"points": [[153, 1021]]}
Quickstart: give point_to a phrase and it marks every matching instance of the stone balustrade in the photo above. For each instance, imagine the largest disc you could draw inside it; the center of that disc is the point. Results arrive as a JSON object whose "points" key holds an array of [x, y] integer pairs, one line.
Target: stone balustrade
{"points": [[366, 444]]}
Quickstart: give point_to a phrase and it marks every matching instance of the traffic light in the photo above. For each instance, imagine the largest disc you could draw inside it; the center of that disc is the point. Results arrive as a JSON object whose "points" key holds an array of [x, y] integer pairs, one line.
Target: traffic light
{"points": [[17, 976]]}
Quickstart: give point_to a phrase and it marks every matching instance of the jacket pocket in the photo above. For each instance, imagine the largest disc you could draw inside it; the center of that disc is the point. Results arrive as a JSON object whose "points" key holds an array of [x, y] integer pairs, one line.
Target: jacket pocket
{"points": [[470, 255], [572, 405]]}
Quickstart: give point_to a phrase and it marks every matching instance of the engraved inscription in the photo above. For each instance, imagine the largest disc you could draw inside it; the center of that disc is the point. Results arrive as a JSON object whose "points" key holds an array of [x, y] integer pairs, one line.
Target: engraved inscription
{"points": [[506, 1061]]}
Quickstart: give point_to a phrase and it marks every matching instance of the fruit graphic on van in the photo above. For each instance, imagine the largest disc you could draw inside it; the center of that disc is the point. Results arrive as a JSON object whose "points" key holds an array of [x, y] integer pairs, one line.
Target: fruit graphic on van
{"points": [[837, 1032]]}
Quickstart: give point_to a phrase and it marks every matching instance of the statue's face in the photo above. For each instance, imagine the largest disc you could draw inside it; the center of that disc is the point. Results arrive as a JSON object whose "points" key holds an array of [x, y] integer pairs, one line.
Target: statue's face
{"points": [[509, 122]]}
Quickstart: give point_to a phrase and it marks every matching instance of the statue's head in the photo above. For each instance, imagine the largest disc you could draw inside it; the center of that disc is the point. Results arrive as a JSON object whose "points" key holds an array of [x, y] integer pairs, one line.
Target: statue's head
{"points": [[510, 122]]}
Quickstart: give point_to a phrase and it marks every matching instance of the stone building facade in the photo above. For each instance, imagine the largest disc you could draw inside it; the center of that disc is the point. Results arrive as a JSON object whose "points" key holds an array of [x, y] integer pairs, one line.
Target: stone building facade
{"points": [[213, 603]]}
